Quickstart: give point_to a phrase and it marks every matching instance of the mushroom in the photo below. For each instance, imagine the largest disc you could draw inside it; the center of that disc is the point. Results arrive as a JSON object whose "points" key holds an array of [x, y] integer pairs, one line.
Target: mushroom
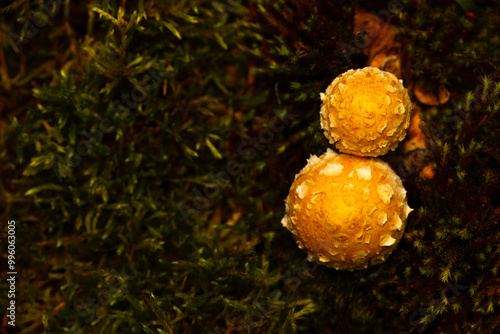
{"points": [[346, 212], [365, 112]]}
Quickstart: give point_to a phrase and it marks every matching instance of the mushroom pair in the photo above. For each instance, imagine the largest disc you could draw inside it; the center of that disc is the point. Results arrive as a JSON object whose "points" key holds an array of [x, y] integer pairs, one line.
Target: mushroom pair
{"points": [[349, 210]]}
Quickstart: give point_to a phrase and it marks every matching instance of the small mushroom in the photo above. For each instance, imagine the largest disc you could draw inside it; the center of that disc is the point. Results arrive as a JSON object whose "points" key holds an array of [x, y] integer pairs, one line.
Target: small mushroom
{"points": [[365, 112]]}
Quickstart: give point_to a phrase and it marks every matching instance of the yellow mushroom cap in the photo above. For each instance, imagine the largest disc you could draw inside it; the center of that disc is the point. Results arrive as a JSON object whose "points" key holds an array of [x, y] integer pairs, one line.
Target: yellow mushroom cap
{"points": [[365, 112], [346, 212]]}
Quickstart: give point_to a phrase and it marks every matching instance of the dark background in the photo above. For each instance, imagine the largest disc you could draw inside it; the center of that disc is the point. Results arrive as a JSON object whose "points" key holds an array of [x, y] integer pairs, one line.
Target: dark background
{"points": [[162, 214]]}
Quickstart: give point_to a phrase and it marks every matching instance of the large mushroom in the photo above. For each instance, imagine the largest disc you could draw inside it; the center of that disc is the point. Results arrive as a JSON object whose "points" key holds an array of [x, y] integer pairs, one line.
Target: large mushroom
{"points": [[346, 212]]}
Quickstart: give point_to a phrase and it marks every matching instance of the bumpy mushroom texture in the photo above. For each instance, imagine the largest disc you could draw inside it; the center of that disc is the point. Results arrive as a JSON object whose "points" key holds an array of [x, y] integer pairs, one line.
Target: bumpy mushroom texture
{"points": [[346, 212], [365, 112]]}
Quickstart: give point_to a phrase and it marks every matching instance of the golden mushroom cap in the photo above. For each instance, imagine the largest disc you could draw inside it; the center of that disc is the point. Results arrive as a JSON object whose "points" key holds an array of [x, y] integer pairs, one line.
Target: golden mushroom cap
{"points": [[346, 212], [365, 112]]}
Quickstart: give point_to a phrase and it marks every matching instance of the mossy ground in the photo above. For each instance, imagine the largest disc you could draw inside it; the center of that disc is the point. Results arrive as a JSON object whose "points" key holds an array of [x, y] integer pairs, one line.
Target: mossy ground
{"points": [[147, 147]]}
